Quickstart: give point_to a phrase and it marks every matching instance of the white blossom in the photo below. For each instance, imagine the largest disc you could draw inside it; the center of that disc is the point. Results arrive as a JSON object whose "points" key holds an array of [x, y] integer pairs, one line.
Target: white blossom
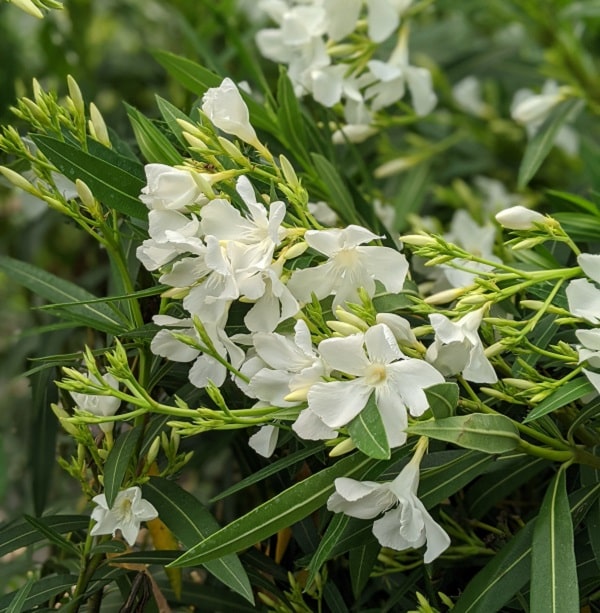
{"points": [[349, 267], [264, 441], [584, 297], [405, 523], [128, 511], [226, 109], [169, 188], [378, 367], [102, 406], [457, 348]]}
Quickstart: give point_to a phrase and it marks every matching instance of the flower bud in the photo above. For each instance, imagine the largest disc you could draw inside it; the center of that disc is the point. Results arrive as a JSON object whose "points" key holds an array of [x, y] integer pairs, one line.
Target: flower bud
{"points": [[97, 127], [344, 328], [288, 172], [346, 446], [418, 240], [226, 109], [18, 181], [520, 218], [75, 95], [445, 296], [29, 7]]}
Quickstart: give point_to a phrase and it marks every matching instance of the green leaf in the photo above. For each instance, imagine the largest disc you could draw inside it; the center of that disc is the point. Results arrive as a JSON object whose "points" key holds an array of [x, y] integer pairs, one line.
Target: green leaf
{"points": [[153, 144], [110, 179], [191, 523], [282, 511], [17, 604], [53, 536], [539, 146], [198, 79], [117, 463], [42, 590], [479, 431], [509, 570], [271, 469], [207, 598], [97, 315], [20, 534], [338, 194], [553, 568], [368, 432], [171, 114], [566, 393], [579, 226], [361, 560], [290, 119], [442, 398]]}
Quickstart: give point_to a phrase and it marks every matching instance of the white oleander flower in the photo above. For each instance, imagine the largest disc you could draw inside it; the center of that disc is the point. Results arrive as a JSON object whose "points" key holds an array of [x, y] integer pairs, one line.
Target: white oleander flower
{"points": [[101, 406], [226, 109], [405, 523], [350, 266], [457, 348], [520, 218], [378, 367], [169, 188], [584, 297], [264, 441], [126, 514]]}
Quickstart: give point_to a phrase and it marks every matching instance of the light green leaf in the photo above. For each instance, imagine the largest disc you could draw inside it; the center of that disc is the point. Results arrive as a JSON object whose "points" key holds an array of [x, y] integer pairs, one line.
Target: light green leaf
{"points": [[171, 114], [153, 144], [191, 523], [117, 463], [442, 398], [20, 534], [479, 431], [282, 511], [109, 178], [539, 146], [97, 315], [568, 392], [368, 432], [553, 568]]}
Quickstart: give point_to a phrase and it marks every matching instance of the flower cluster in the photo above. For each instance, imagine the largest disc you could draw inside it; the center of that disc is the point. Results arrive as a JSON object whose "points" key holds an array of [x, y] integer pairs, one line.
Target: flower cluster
{"points": [[329, 56]]}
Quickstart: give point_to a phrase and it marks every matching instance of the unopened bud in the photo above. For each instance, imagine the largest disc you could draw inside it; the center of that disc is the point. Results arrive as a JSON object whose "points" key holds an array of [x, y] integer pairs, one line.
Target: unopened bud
{"points": [[495, 349], [195, 142], [418, 240], [288, 172], [190, 128], [75, 95], [230, 149], [18, 181], [87, 198], [153, 451], [350, 318], [295, 250], [346, 446], [63, 418], [97, 127], [343, 328], [521, 384], [445, 296], [520, 218], [29, 7]]}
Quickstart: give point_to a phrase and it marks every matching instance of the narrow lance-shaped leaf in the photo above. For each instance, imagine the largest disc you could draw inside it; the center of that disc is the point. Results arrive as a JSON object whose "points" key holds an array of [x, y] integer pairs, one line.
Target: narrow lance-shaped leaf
{"points": [[479, 431], [368, 432], [43, 589], [190, 522], [93, 314], [568, 392], [442, 398], [117, 463], [114, 186], [540, 145], [154, 145], [553, 567], [281, 511]]}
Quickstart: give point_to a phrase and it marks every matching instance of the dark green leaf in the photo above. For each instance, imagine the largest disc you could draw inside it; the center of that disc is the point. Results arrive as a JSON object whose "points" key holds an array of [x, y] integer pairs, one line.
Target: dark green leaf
{"points": [[207, 598], [114, 186], [362, 559], [17, 604], [368, 432], [21, 534], [42, 590], [442, 398], [340, 198], [117, 463], [282, 511], [539, 146], [566, 393], [153, 144], [553, 567], [290, 119], [53, 536], [479, 431], [191, 523], [171, 114], [97, 315]]}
